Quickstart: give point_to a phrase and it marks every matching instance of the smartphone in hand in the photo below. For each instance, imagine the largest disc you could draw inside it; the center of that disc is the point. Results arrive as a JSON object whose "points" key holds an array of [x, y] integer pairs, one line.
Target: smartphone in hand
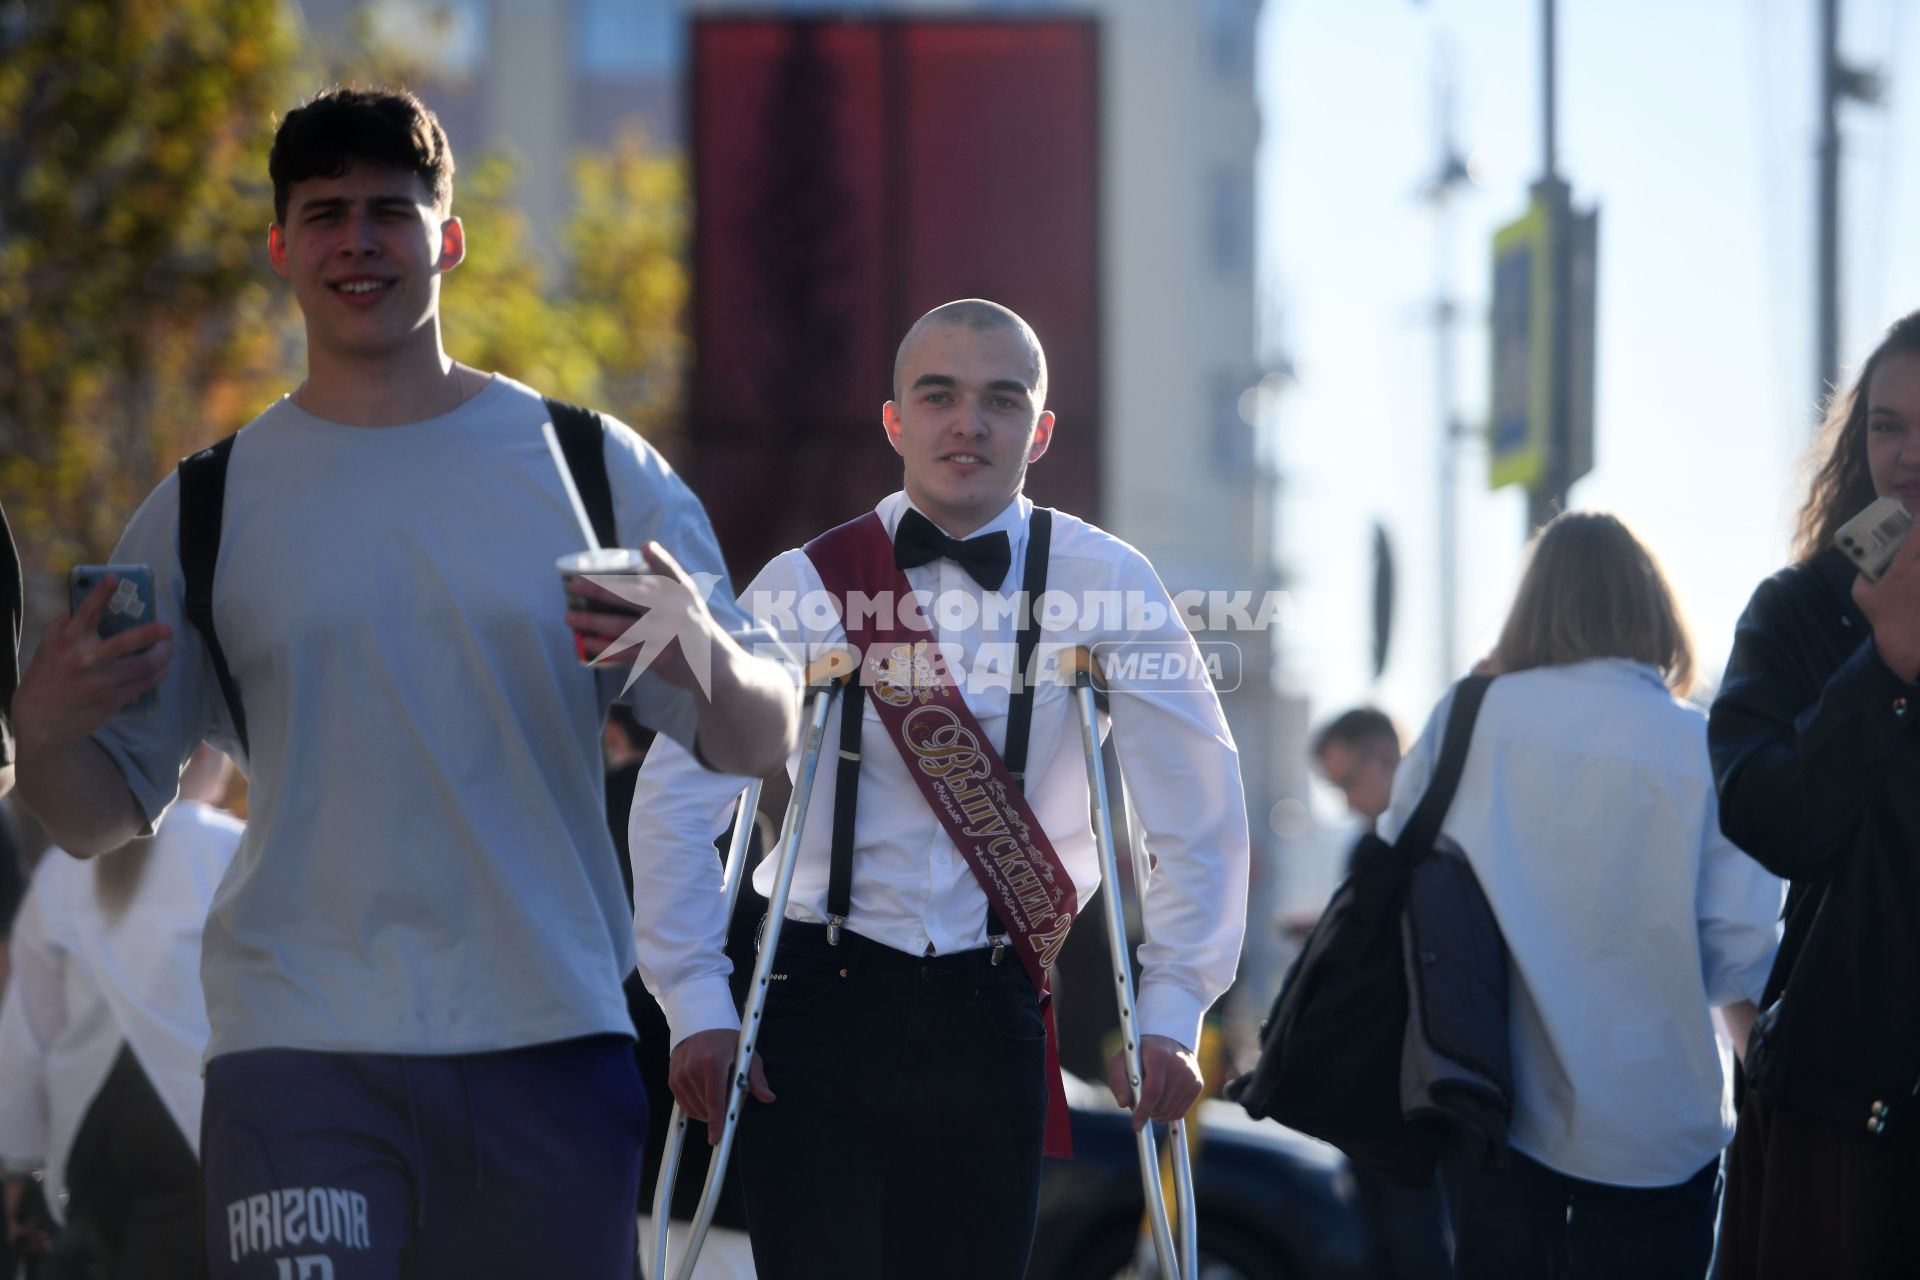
{"points": [[1871, 538], [130, 606]]}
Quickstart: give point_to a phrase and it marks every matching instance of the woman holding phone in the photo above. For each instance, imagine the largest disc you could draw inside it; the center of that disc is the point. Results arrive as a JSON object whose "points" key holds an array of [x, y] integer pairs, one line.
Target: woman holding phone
{"points": [[1816, 752]]}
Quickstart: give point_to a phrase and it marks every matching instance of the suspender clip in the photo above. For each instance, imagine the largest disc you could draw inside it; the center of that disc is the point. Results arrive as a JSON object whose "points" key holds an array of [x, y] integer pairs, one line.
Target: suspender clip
{"points": [[833, 929], [999, 941]]}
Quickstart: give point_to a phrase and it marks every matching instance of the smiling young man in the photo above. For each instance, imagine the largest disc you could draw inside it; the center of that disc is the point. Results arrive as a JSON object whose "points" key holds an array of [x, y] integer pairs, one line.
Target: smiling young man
{"points": [[902, 1083], [420, 1061]]}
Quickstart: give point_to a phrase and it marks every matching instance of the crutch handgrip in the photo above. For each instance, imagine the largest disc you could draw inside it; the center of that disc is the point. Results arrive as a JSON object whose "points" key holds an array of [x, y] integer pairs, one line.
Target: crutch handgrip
{"points": [[835, 666], [1079, 662]]}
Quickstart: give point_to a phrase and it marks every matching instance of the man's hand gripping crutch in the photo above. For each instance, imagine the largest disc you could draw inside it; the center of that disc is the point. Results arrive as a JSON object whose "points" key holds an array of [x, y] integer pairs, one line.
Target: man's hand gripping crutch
{"points": [[1154, 1076], [711, 1072]]}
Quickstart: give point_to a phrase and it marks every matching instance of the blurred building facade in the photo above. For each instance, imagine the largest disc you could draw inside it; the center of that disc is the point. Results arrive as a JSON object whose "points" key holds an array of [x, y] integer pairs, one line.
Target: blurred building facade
{"points": [[1183, 473]]}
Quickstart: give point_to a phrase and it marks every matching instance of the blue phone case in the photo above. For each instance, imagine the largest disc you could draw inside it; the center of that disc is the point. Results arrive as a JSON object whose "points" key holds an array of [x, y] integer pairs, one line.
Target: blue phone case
{"points": [[131, 606]]}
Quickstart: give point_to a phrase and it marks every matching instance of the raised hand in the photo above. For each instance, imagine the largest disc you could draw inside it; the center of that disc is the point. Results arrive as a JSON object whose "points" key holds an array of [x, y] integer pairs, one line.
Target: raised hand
{"points": [[77, 681], [1892, 606]]}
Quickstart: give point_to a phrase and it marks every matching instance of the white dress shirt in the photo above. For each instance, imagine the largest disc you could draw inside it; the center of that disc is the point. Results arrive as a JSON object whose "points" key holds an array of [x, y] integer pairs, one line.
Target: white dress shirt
{"points": [[84, 983], [1588, 813], [912, 890]]}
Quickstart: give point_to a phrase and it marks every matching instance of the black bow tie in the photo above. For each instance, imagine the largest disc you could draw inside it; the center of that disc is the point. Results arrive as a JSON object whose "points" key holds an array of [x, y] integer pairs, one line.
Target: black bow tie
{"points": [[919, 541]]}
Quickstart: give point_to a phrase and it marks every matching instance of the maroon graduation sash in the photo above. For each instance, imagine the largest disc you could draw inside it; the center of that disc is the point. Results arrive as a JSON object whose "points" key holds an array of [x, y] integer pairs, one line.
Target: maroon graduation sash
{"points": [[972, 793]]}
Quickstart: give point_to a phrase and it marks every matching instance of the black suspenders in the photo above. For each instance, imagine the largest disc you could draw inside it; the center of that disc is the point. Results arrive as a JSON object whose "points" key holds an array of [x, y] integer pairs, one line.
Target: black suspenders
{"points": [[846, 794], [846, 786]]}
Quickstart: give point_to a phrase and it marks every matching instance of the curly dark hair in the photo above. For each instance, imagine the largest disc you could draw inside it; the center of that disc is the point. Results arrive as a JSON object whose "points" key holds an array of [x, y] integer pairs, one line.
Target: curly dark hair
{"points": [[339, 127], [1841, 484]]}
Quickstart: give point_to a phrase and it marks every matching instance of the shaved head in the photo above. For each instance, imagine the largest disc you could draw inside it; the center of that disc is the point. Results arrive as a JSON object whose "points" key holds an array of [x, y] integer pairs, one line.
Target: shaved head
{"points": [[978, 314]]}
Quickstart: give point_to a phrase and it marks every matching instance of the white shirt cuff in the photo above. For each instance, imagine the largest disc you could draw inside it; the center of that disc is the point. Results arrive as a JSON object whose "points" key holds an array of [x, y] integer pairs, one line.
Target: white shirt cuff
{"points": [[700, 1004], [1170, 1011]]}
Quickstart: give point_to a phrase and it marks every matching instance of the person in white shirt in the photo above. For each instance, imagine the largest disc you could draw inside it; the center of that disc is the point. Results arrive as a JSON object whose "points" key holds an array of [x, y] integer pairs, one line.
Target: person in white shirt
{"points": [[102, 1034], [901, 1090], [1587, 811]]}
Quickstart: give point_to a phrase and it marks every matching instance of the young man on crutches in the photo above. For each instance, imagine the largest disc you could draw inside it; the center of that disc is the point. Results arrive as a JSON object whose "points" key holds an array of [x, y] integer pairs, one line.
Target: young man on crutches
{"points": [[902, 1087]]}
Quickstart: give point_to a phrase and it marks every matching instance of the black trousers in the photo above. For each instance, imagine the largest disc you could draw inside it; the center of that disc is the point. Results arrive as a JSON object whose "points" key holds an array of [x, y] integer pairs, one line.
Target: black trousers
{"points": [[135, 1187], [1533, 1223], [1805, 1198], [910, 1110]]}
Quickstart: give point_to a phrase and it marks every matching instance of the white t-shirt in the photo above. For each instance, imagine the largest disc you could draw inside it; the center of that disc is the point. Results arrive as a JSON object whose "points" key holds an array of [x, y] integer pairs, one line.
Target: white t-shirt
{"points": [[1587, 811], [427, 868]]}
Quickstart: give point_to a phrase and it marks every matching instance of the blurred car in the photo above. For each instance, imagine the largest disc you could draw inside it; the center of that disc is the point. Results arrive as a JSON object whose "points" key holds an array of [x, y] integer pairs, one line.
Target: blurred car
{"points": [[1273, 1204]]}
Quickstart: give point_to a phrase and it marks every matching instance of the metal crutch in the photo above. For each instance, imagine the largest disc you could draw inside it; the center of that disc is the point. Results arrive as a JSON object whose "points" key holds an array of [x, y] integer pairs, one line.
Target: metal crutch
{"points": [[744, 817], [823, 677], [1084, 673], [1189, 1241]]}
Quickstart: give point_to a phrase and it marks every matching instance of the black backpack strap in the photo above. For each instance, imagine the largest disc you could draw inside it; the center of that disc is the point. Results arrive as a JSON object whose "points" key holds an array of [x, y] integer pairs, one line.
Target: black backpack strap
{"points": [[203, 504], [583, 443], [1424, 826]]}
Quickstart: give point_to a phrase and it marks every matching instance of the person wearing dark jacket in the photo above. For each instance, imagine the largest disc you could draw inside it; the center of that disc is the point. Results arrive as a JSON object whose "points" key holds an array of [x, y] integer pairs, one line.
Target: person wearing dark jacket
{"points": [[1816, 751]]}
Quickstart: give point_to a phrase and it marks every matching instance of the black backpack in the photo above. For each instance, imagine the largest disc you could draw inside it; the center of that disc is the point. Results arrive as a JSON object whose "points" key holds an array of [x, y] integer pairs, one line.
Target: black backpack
{"points": [[1345, 1055], [203, 498]]}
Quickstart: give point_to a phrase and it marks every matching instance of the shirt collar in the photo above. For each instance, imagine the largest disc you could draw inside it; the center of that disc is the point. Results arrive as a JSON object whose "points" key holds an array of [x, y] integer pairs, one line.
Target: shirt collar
{"points": [[1622, 669]]}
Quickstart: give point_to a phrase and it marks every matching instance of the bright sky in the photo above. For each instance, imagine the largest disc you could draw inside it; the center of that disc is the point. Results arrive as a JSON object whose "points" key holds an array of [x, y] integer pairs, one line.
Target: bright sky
{"points": [[1692, 127]]}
